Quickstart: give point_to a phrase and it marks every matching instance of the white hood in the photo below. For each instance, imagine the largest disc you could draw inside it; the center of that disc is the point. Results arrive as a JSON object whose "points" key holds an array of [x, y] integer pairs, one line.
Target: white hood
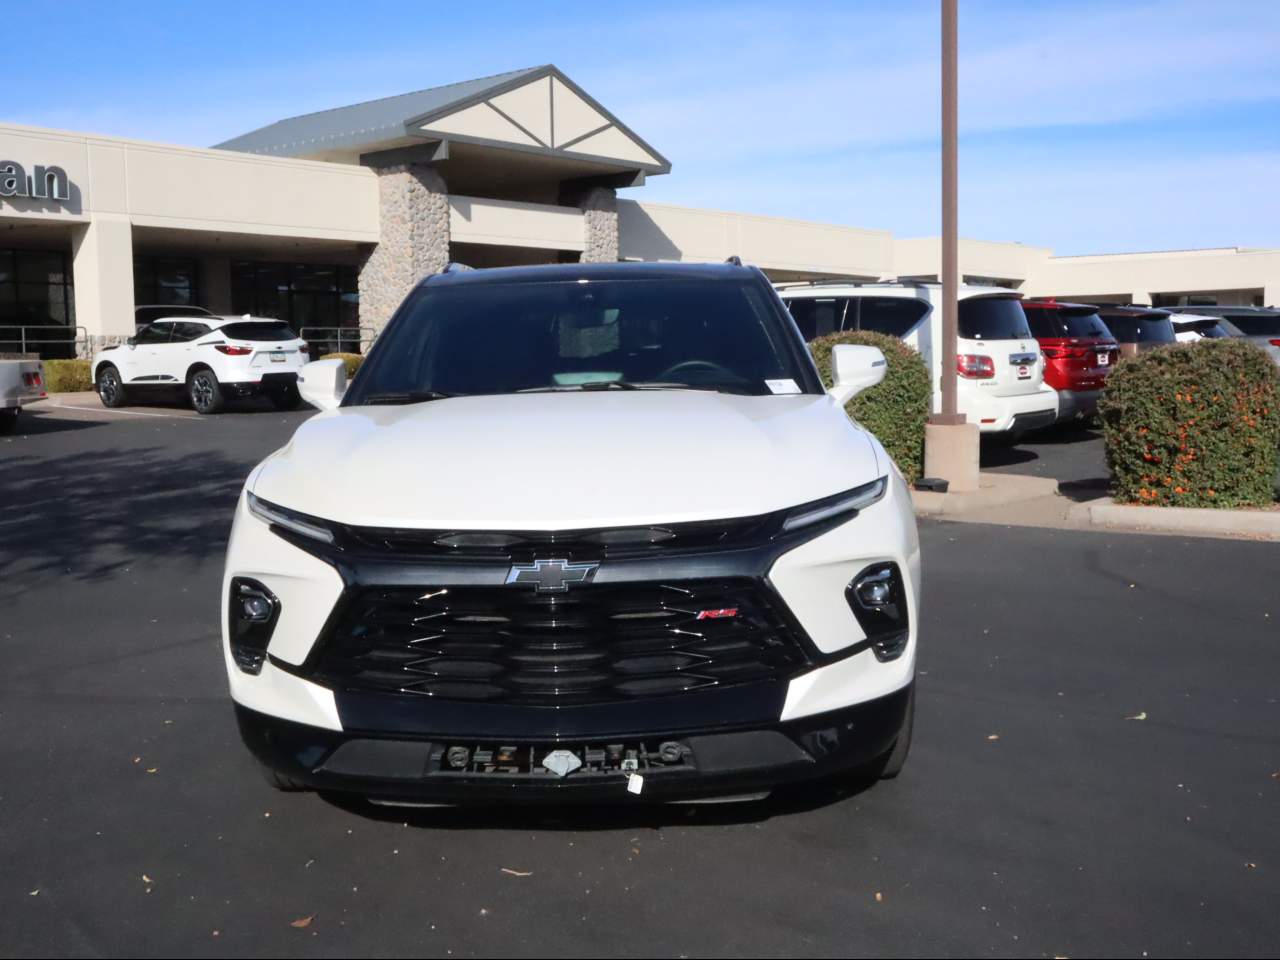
{"points": [[552, 461]]}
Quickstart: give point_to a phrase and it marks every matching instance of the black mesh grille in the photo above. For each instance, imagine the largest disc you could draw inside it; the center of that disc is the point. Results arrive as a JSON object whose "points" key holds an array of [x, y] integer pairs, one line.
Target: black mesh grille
{"points": [[598, 643], [592, 544]]}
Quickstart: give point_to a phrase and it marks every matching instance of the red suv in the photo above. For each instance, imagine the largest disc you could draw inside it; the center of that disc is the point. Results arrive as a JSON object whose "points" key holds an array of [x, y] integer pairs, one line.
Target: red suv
{"points": [[1079, 351]]}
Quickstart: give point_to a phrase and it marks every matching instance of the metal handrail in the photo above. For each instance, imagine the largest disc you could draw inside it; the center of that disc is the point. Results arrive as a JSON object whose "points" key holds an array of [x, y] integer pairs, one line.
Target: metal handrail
{"points": [[360, 336], [74, 336]]}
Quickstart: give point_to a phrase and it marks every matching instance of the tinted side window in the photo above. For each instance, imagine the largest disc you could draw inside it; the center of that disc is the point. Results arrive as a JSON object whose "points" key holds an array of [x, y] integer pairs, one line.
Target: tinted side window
{"points": [[156, 333], [894, 316], [816, 317], [993, 318], [186, 332]]}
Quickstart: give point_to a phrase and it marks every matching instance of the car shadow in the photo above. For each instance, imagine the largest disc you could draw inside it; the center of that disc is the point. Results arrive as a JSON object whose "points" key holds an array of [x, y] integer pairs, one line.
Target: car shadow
{"points": [[993, 453], [93, 512], [1072, 431], [36, 425], [784, 801]]}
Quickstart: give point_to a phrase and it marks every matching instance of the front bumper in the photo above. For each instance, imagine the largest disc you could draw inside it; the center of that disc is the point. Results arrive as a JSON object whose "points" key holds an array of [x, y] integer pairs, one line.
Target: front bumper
{"points": [[295, 721], [715, 761]]}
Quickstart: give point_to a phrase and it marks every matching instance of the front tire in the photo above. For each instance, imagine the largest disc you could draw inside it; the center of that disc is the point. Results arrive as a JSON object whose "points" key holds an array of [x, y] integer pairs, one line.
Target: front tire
{"points": [[9, 420], [111, 389], [205, 392]]}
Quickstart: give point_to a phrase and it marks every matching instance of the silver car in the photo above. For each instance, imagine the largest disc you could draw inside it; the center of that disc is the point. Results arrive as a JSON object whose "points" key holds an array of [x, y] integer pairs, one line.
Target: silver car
{"points": [[1258, 325]]}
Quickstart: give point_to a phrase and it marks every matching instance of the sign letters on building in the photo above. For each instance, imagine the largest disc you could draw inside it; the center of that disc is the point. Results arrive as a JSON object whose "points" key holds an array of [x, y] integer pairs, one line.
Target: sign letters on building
{"points": [[45, 183]]}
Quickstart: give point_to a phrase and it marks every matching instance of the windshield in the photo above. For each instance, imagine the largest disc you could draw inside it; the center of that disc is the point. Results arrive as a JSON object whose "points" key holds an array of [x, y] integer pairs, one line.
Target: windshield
{"points": [[496, 338], [259, 331], [993, 318], [1048, 322]]}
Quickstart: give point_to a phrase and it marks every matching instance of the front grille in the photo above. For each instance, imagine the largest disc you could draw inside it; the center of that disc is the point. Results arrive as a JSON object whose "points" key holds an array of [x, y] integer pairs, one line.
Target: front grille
{"points": [[609, 543], [598, 643]]}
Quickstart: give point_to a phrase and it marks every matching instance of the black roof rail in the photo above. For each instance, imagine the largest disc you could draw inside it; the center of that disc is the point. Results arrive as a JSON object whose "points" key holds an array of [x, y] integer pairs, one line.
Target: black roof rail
{"points": [[734, 259]]}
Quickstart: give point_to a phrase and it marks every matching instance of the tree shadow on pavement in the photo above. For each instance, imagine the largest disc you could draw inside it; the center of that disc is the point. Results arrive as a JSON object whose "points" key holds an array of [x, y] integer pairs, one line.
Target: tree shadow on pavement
{"points": [[1083, 490], [83, 515]]}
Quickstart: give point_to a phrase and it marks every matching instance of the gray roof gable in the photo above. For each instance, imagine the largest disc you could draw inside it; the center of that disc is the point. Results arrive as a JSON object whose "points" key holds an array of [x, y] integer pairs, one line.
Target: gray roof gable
{"points": [[367, 123]]}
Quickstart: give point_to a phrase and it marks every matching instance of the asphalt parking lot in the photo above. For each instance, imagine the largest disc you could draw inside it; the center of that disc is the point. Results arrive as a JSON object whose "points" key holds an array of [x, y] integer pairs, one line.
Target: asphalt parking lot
{"points": [[1071, 453], [1096, 769]]}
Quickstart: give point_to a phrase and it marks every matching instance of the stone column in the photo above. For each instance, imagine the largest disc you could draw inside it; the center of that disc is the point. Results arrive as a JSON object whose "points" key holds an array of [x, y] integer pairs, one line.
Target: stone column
{"points": [[413, 205], [600, 225], [102, 273]]}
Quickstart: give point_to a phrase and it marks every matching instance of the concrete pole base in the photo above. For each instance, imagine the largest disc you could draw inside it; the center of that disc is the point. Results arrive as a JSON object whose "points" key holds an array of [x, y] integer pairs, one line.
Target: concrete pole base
{"points": [[951, 452]]}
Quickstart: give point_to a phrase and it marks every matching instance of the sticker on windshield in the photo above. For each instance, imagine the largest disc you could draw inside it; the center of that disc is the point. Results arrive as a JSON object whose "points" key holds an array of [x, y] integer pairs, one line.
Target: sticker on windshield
{"points": [[782, 386]]}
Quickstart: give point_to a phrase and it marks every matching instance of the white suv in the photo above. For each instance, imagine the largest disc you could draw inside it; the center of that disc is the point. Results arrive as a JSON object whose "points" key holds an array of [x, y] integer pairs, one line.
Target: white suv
{"points": [[212, 359], [1000, 385], [591, 531]]}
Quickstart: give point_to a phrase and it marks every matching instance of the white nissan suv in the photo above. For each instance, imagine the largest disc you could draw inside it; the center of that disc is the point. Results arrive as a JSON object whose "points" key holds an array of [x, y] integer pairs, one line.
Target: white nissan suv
{"points": [[1000, 370], [210, 359], [593, 532]]}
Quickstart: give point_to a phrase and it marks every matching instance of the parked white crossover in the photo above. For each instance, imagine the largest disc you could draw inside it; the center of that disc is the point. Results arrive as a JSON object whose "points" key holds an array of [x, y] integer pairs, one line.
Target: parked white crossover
{"points": [[1000, 369], [592, 531], [210, 359]]}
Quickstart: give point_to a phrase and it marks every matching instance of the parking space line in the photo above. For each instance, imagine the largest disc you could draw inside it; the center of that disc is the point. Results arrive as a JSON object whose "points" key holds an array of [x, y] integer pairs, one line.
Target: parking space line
{"points": [[127, 413]]}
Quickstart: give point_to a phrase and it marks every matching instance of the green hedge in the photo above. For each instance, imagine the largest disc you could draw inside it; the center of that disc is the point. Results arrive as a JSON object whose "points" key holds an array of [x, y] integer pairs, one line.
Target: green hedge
{"points": [[1193, 425], [896, 409], [351, 361], [67, 376]]}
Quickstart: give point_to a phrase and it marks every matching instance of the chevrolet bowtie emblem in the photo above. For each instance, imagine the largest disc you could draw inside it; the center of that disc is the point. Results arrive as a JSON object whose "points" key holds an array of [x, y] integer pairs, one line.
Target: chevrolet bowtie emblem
{"points": [[551, 576]]}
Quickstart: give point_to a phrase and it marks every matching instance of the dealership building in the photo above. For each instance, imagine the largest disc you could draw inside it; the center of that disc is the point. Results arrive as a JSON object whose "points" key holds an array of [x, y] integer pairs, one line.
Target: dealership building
{"points": [[327, 220]]}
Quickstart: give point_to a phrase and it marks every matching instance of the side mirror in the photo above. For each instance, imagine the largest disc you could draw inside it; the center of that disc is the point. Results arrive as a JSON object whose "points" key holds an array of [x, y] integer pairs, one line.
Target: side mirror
{"points": [[322, 383], [132, 341], [854, 368]]}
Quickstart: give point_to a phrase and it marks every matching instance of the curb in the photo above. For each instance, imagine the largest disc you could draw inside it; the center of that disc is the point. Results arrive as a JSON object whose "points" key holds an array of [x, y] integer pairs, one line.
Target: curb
{"points": [[1196, 521], [995, 490]]}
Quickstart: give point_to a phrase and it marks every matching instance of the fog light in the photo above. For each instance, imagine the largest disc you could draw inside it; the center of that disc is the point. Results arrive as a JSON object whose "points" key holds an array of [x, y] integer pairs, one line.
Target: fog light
{"points": [[251, 618], [877, 597], [256, 609]]}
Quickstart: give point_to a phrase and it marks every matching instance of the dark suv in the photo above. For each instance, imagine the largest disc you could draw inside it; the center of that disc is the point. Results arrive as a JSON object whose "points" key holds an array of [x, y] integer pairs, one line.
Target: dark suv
{"points": [[1137, 329]]}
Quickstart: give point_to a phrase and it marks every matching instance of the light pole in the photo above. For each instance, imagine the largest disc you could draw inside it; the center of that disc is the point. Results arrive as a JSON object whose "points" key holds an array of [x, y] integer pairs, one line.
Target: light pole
{"points": [[950, 210], [951, 449]]}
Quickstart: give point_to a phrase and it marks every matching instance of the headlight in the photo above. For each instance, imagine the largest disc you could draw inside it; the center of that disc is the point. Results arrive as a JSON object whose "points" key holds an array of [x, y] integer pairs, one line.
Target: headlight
{"points": [[849, 502], [296, 522]]}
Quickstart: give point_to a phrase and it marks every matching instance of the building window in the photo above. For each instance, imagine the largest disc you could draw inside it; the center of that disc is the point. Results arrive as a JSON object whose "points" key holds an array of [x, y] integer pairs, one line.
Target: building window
{"points": [[165, 281], [321, 301], [37, 303]]}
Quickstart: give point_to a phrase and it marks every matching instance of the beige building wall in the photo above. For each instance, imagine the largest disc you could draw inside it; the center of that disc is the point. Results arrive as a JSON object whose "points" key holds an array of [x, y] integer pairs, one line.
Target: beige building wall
{"points": [[1013, 262], [782, 247], [118, 185], [1230, 275], [1233, 274]]}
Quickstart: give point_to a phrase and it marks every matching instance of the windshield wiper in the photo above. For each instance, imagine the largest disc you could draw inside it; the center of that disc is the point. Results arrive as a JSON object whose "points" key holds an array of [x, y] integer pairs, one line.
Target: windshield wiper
{"points": [[407, 396]]}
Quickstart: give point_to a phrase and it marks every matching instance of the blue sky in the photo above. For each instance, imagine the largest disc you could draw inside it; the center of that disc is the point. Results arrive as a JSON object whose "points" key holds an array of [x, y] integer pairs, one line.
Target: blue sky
{"points": [[1085, 126]]}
